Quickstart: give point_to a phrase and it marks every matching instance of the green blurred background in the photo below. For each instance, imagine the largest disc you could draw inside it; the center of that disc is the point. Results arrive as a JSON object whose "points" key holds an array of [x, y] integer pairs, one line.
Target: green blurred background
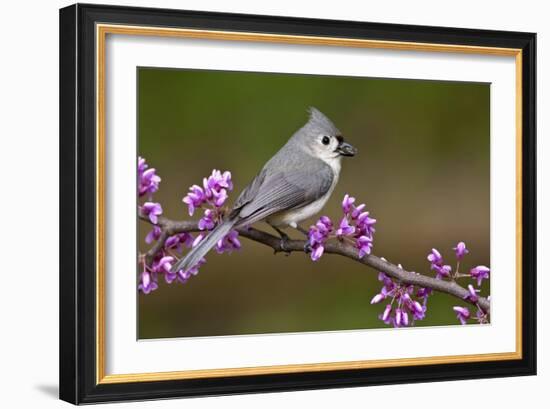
{"points": [[422, 170]]}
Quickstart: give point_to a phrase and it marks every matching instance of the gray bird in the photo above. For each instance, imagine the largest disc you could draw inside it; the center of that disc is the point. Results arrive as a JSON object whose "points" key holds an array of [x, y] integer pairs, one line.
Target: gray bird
{"points": [[292, 186]]}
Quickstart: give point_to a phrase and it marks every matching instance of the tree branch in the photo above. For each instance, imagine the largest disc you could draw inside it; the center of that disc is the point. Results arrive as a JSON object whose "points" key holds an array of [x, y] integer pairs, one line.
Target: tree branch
{"points": [[171, 227]]}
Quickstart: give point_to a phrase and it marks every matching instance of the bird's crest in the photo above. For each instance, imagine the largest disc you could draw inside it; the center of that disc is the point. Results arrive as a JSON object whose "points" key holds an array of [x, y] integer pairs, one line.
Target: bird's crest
{"points": [[320, 121]]}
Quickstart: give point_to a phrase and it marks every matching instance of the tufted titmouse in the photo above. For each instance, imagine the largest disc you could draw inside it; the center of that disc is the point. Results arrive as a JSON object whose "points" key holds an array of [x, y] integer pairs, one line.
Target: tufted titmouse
{"points": [[292, 186]]}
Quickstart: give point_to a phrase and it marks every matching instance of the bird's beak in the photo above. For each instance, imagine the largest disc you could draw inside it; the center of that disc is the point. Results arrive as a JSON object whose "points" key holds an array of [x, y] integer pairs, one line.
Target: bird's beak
{"points": [[345, 149]]}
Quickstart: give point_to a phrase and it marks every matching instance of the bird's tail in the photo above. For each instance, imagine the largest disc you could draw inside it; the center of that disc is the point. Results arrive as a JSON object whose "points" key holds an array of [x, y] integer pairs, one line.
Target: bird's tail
{"points": [[204, 246]]}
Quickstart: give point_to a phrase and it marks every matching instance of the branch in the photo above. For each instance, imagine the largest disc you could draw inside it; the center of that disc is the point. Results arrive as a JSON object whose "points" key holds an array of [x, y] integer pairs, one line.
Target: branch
{"points": [[171, 227]]}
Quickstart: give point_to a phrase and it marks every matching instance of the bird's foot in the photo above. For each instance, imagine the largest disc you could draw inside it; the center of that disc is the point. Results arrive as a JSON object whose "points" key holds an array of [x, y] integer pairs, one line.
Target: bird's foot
{"points": [[284, 241], [307, 247], [283, 247]]}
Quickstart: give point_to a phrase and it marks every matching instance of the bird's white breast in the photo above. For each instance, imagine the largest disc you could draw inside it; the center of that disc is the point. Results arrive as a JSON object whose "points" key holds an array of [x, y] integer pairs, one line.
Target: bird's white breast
{"points": [[293, 217]]}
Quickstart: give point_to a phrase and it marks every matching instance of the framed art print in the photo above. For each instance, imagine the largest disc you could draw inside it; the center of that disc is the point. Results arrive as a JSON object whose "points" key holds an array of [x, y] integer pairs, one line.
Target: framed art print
{"points": [[258, 203]]}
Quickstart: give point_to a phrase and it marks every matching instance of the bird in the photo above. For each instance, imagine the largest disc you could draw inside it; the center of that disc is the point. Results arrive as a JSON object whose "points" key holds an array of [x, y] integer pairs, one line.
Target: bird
{"points": [[292, 186]]}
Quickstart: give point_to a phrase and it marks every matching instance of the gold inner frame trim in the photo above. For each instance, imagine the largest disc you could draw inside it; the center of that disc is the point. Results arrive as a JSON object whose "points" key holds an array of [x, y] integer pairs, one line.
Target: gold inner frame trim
{"points": [[101, 32]]}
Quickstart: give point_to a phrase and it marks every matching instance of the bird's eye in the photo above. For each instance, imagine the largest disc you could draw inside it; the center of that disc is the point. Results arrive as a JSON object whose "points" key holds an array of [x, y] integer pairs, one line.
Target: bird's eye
{"points": [[325, 140]]}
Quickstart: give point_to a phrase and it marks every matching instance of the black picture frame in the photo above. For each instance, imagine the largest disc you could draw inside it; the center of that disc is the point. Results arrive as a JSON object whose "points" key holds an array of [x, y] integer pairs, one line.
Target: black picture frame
{"points": [[78, 317]]}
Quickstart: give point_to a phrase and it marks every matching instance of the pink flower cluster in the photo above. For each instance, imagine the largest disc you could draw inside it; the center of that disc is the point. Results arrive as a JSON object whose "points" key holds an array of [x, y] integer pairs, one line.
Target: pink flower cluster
{"points": [[406, 305], [148, 180], [478, 273], [356, 226], [211, 196], [213, 191]]}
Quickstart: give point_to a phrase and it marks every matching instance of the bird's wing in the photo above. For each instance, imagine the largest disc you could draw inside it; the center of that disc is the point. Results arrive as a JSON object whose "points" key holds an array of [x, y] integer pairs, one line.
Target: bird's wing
{"points": [[250, 191], [286, 189]]}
